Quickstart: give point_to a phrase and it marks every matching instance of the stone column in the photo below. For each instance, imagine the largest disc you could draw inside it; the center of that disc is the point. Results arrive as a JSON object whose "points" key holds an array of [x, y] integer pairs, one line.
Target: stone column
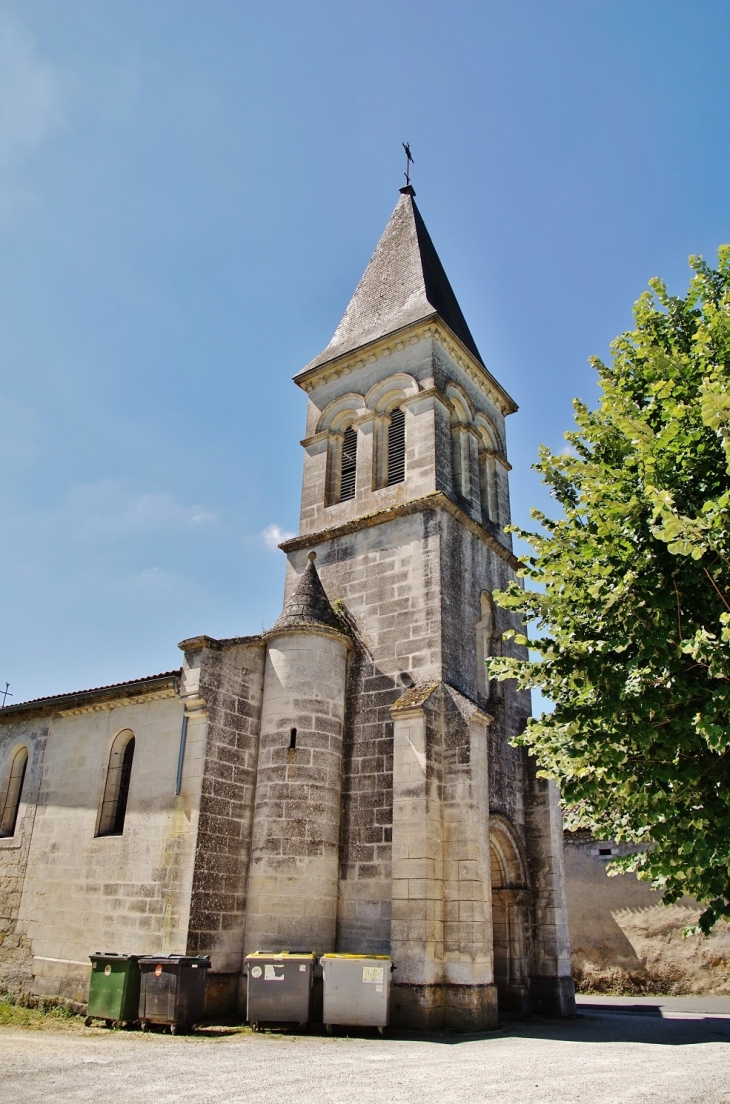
{"points": [[365, 474], [502, 515], [315, 491]]}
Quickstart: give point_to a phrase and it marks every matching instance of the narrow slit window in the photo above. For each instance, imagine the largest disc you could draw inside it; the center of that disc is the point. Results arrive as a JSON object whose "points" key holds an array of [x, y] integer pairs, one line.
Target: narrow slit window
{"points": [[116, 789], [13, 793], [397, 447], [292, 739], [349, 464]]}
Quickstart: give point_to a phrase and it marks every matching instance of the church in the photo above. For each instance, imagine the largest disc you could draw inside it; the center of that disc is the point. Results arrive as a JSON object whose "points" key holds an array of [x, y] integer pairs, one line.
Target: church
{"points": [[343, 781]]}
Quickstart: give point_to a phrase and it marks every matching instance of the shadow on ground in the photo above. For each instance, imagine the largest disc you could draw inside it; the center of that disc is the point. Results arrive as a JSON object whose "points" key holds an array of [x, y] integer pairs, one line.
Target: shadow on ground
{"points": [[627, 1024]]}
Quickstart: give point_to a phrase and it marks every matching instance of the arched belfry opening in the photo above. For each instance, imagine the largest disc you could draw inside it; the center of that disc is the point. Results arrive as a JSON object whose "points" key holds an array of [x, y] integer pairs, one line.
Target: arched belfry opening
{"points": [[509, 917]]}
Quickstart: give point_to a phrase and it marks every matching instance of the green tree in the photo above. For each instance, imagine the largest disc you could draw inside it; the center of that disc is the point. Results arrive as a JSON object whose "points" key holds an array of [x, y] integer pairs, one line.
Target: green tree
{"points": [[633, 606]]}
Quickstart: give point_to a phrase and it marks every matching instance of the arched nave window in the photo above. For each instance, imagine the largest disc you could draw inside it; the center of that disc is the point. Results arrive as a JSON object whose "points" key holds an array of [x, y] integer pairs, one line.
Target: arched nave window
{"points": [[116, 787], [13, 791]]}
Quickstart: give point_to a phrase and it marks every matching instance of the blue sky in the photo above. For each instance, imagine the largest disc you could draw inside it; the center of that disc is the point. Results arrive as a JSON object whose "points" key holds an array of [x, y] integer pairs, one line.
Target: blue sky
{"points": [[189, 193]]}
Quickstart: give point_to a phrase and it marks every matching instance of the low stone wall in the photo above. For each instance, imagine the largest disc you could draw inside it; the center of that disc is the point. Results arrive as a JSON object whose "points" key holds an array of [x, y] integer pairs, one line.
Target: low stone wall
{"points": [[624, 939]]}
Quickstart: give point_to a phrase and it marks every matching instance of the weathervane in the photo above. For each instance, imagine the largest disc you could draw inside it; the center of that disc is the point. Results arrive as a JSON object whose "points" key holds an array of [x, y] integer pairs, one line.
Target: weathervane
{"points": [[6, 693], [409, 162]]}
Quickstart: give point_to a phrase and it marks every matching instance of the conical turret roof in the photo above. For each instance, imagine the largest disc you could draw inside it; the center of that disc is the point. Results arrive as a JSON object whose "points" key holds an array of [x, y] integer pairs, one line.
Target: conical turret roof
{"points": [[404, 283], [309, 605]]}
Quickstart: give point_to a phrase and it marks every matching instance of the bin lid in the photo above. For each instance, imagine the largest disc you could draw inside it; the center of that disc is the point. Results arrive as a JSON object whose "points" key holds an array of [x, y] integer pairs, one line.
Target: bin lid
{"points": [[280, 954], [101, 955], [386, 958], [202, 961]]}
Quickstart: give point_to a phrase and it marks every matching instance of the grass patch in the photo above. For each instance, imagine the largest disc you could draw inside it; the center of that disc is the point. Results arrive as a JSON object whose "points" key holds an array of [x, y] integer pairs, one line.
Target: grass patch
{"points": [[38, 1012]]}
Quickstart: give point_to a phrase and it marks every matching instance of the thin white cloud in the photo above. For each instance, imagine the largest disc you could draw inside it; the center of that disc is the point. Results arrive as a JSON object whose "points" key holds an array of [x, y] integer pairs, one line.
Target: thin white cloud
{"points": [[30, 110], [273, 535], [21, 434], [29, 94], [107, 507], [153, 582], [95, 513]]}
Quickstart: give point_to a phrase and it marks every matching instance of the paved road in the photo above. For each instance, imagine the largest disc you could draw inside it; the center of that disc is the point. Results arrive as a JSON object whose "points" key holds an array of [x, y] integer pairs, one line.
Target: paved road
{"points": [[656, 1006], [603, 1057]]}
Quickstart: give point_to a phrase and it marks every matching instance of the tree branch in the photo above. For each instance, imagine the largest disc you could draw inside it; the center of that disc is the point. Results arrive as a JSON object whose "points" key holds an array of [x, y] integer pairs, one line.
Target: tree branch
{"points": [[722, 599]]}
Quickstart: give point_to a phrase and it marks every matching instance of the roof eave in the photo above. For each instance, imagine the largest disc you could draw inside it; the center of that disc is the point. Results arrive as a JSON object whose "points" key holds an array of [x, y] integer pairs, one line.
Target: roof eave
{"points": [[308, 375], [74, 700]]}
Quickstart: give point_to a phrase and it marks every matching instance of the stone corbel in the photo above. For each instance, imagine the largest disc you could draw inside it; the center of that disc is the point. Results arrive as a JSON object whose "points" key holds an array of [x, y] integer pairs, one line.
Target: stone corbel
{"points": [[424, 400], [317, 443], [494, 455]]}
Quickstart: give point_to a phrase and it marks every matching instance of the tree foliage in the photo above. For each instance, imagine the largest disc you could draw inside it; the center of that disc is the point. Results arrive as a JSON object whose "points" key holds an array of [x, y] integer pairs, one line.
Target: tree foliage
{"points": [[633, 605]]}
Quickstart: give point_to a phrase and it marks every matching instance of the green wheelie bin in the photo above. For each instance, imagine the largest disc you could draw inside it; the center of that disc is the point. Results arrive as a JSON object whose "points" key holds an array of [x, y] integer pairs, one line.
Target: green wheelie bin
{"points": [[114, 988]]}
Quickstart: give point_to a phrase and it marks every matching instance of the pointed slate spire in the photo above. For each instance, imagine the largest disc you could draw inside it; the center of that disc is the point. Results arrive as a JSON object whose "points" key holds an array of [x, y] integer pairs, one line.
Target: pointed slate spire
{"points": [[404, 282], [309, 605]]}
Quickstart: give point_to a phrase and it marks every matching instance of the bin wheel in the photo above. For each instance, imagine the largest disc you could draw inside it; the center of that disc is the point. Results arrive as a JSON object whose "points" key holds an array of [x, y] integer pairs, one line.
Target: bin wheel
{"points": [[109, 1023], [173, 1029], [381, 1030], [88, 1021], [144, 1025], [328, 1028], [254, 1025]]}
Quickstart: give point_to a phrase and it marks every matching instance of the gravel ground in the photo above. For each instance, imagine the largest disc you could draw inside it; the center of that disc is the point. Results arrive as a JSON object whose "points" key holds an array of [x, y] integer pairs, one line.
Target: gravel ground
{"points": [[602, 1056]]}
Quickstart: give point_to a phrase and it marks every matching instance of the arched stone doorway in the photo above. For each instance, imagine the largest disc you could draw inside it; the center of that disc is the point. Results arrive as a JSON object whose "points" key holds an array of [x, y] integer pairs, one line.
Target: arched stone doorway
{"points": [[509, 917]]}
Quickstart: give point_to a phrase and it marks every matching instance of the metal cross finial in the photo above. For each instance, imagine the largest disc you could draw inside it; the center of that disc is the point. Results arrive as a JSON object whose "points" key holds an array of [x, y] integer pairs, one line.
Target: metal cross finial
{"points": [[6, 693], [409, 162]]}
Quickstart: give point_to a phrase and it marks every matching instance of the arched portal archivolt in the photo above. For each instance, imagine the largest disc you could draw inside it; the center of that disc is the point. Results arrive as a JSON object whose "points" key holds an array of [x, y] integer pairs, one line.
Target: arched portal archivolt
{"points": [[509, 915]]}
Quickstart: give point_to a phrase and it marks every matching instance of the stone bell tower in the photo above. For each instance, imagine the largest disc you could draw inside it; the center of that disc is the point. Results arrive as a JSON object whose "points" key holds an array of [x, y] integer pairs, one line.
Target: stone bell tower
{"points": [[392, 815]]}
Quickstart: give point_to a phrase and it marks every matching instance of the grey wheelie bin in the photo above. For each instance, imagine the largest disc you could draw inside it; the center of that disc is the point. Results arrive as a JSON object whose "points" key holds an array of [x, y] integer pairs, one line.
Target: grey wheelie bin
{"points": [[356, 990], [172, 990], [114, 988], [279, 988]]}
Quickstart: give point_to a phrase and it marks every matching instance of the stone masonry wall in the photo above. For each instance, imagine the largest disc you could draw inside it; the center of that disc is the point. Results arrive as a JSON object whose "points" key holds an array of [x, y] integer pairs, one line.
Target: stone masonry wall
{"points": [[468, 569], [387, 578], [623, 937], [128, 893], [16, 956]]}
